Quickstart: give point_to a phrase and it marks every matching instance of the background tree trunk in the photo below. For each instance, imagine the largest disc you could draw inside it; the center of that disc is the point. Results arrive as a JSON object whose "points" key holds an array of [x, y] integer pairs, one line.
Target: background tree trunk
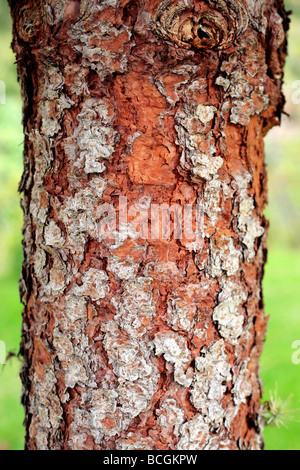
{"points": [[131, 343]]}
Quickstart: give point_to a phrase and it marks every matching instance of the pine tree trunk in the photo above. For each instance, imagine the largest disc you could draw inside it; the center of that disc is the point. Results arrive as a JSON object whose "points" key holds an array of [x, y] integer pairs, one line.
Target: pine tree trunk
{"points": [[133, 340]]}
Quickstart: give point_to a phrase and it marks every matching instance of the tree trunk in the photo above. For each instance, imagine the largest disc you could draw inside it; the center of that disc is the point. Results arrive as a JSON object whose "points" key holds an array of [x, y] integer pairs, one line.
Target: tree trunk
{"points": [[134, 338]]}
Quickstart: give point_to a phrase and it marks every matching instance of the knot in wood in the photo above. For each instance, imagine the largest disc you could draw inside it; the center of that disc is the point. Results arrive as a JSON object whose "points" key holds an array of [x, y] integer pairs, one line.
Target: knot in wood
{"points": [[28, 23], [209, 24]]}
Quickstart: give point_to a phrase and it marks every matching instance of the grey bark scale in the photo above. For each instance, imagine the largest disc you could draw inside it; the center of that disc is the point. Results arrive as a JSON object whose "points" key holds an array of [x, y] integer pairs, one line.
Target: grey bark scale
{"points": [[131, 343]]}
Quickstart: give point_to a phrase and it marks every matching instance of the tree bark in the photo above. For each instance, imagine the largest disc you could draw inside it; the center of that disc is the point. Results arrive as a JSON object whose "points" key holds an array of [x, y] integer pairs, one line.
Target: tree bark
{"points": [[131, 341]]}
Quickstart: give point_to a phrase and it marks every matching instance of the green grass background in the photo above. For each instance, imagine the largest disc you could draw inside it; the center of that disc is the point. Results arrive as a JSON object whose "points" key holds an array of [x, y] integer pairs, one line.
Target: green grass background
{"points": [[282, 279]]}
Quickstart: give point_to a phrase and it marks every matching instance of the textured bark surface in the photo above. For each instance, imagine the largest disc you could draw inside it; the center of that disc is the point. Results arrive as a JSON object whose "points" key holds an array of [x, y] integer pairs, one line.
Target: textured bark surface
{"points": [[131, 343]]}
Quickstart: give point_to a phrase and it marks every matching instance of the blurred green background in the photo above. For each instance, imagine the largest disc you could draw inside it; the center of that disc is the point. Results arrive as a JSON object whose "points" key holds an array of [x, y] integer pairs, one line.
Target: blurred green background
{"points": [[282, 280]]}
